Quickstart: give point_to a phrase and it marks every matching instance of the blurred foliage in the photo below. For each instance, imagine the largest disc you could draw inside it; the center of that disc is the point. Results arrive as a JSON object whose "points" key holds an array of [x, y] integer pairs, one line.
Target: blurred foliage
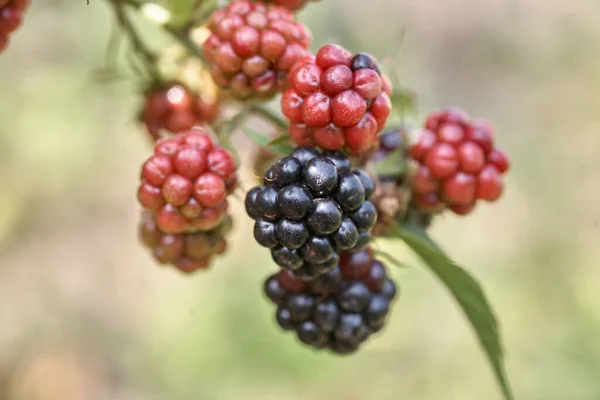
{"points": [[86, 314]]}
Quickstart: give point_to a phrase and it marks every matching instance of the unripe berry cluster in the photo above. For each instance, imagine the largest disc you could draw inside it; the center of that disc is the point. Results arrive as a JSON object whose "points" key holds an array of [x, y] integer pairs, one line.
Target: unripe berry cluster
{"points": [[11, 16], [312, 206], [457, 163], [188, 252], [186, 181], [337, 100], [338, 311], [253, 46], [176, 109]]}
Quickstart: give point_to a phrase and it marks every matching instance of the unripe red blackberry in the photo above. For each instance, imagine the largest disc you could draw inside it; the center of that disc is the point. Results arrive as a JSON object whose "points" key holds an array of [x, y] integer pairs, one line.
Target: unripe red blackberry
{"points": [[293, 5], [252, 48], [174, 108], [338, 311], [186, 181], [457, 163], [311, 207], [11, 17], [337, 100], [188, 252]]}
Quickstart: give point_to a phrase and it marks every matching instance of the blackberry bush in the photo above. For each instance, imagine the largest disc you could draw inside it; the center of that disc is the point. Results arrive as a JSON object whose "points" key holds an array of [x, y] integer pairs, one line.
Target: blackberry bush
{"points": [[186, 182], [457, 163], [317, 206], [11, 17], [338, 311], [311, 207], [252, 48], [337, 100]]}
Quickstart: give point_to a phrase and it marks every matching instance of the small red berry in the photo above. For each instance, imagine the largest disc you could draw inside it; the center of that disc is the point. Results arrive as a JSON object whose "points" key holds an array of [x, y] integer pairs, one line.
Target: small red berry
{"points": [[316, 110], [157, 169], [442, 160], [190, 162], [222, 163], [177, 190], [489, 183], [306, 79], [361, 136], [367, 83], [348, 108], [460, 189], [209, 189], [336, 79], [290, 282], [291, 106], [499, 159], [331, 55], [471, 157], [428, 201], [423, 182], [462, 210], [170, 220], [426, 141], [356, 266], [481, 133], [450, 133]]}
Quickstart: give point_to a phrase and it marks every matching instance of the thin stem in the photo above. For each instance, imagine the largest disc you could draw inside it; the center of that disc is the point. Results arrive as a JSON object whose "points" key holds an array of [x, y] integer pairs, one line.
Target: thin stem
{"points": [[181, 35], [268, 115], [138, 44]]}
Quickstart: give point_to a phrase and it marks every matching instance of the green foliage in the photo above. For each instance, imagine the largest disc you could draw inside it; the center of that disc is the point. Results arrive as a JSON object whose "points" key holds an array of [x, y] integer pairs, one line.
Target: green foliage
{"points": [[278, 145], [181, 11], [392, 165], [469, 295]]}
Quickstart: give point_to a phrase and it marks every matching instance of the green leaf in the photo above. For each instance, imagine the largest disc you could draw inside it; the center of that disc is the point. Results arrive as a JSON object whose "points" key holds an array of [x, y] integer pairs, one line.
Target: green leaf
{"points": [[264, 141], [181, 11], [469, 295], [284, 139], [392, 165], [404, 101]]}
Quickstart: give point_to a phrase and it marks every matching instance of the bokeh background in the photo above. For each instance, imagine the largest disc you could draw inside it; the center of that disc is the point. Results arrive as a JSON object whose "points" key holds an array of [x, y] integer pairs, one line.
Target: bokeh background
{"points": [[85, 314]]}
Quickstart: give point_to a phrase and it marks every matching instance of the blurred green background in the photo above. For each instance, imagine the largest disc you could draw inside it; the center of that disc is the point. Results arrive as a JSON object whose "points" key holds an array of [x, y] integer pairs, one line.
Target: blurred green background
{"points": [[86, 314]]}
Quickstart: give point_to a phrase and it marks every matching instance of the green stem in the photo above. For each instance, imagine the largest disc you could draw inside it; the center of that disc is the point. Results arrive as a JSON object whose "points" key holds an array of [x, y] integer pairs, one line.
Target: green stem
{"points": [[181, 35], [138, 44], [268, 115]]}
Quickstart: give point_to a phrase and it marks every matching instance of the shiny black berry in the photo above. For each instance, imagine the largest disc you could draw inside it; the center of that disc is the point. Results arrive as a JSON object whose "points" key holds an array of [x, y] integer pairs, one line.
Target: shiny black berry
{"points": [[294, 202], [269, 178], [351, 328], [300, 306], [354, 297], [320, 175], [286, 171], [364, 60], [350, 193], [366, 181], [309, 333], [346, 236], [327, 315], [377, 310], [341, 161], [291, 234], [264, 233], [304, 154], [317, 250], [327, 283], [274, 291], [267, 202], [325, 217], [287, 258], [365, 217], [388, 289], [251, 202], [284, 319]]}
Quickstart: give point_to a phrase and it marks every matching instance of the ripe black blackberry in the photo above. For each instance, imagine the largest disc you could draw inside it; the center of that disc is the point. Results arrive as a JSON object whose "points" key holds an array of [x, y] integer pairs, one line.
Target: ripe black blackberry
{"points": [[338, 311], [311, 207]]}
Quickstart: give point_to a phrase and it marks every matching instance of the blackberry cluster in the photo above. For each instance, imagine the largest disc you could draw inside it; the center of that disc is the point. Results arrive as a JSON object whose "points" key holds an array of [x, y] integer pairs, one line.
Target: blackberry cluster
{"points": [[11, 16], [252, 48], [458, 163], [338, 311], [175, 108], [312, 207], [188, 252], [293, 5], [337, 100], [186, 182]]}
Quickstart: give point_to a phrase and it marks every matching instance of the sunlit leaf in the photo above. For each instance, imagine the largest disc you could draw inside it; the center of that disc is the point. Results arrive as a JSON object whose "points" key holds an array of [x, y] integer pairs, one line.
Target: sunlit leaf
{"points": [[469, 295]]}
